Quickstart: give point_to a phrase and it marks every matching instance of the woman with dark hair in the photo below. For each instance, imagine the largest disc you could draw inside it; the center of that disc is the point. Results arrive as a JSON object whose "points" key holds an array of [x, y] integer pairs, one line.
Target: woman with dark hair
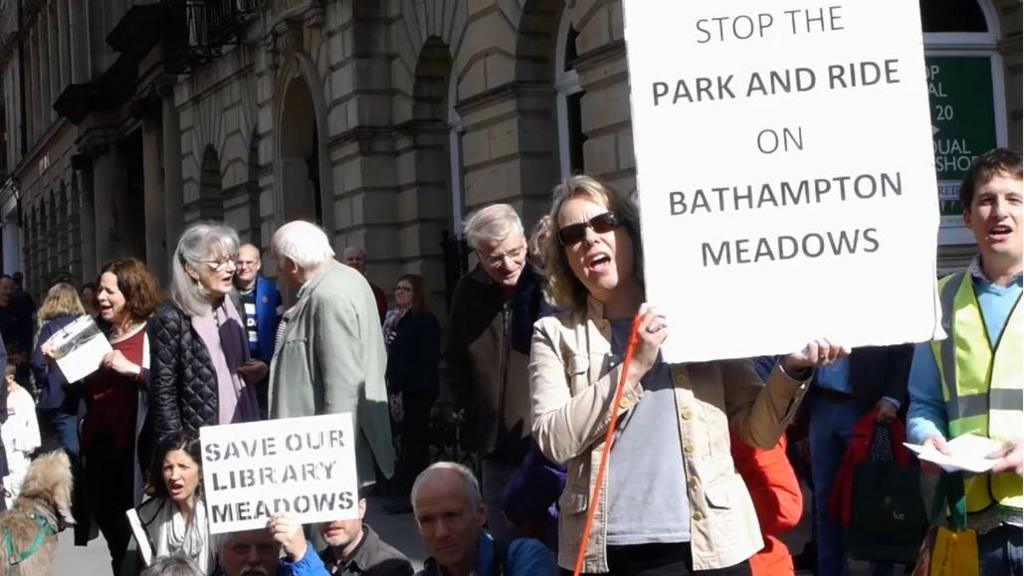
{"points": [[87, 294], [58, 402], [413, 335], [672, 501], [202, 372], [113, 440], [173, 517]]}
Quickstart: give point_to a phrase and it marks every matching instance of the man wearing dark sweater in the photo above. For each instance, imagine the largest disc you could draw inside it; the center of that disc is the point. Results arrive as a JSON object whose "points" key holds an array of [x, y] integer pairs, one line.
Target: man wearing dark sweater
{"points": [[869, 378], [354, 548]]}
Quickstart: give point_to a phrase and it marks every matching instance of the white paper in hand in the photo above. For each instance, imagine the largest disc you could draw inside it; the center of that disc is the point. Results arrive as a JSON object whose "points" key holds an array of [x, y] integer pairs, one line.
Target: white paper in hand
{"points": [[966, 454], [79, 348]]}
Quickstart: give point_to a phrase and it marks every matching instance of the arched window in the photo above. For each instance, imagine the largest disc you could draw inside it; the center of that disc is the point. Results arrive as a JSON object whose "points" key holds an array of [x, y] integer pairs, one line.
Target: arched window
{"points": [[967, 96], [567, 84]]}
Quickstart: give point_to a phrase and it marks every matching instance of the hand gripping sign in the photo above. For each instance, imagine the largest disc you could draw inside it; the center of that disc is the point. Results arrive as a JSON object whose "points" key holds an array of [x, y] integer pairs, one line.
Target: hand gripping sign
{"points": [[305, 467]]}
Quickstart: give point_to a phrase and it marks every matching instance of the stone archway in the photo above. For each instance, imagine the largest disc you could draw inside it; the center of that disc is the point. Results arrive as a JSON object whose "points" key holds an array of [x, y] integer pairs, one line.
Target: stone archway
{"points": [[210, 204], [299, 155]]}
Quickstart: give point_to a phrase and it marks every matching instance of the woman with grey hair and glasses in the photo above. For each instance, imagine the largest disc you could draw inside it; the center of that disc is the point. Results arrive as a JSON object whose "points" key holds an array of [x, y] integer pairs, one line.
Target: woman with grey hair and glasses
{"points": [[201, 370]]}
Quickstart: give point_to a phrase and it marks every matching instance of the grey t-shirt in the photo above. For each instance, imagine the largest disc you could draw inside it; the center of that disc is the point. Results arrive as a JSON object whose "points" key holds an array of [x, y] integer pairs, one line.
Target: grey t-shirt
{"points": [[647, 500]]}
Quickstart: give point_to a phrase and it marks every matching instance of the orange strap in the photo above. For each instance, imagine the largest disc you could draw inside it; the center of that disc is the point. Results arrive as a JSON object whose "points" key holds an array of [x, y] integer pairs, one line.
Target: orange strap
{"points": [[608, 436]]}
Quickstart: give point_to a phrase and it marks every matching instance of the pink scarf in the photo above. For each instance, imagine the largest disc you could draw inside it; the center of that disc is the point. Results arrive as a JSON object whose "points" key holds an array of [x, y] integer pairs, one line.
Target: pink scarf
{"points": [[221, 330]]}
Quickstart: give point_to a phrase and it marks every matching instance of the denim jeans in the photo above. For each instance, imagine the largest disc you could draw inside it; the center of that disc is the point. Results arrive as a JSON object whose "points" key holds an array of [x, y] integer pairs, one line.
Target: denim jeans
{"points": [[831, 428], [999, 551]]}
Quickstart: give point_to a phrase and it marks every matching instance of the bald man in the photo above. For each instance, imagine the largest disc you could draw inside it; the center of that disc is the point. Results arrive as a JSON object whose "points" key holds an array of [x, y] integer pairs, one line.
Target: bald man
{"points": [[259, 301], [450, 515], [355, 257]]}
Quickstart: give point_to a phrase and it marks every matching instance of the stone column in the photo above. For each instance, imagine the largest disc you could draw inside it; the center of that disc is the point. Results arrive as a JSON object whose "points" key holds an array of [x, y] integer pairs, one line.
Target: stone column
{"points": [[74, 231], [87, 225], [79, 35], [153, 182], [44, 62], [64, 46], [32, 91], [52, 32], [105, 183], [173, 192], [12, 244]]}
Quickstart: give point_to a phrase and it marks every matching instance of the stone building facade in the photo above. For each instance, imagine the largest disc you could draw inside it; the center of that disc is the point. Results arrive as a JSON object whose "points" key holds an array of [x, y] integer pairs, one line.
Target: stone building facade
{"points": [[386, 121]]}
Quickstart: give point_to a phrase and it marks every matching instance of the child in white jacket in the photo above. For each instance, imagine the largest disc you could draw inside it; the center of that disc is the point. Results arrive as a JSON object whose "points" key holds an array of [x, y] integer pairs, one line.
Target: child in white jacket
{"points": [[20, 435]]}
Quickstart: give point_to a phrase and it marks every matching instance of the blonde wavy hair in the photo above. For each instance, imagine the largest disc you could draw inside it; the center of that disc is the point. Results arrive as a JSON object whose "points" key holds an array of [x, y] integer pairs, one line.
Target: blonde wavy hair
{"points": [[562, 288], [61, 300]]}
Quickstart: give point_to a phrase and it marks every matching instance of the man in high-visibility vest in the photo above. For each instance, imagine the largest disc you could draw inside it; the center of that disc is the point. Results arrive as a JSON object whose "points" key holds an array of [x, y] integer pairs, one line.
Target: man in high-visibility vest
{"points": [[971, 382]]}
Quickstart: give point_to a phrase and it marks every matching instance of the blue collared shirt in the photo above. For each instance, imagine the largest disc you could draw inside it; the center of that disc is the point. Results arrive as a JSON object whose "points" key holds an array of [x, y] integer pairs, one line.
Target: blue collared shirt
{"points": [[835, 376]]}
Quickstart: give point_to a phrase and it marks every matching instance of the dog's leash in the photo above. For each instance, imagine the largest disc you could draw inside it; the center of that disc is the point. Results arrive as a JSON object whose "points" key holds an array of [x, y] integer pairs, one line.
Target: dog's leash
{"points": [[45, 528]]}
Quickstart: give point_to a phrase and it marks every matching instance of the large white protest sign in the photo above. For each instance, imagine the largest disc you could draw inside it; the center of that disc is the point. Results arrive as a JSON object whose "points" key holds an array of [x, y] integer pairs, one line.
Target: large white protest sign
{"points": [[301, 466], [785, 173]]}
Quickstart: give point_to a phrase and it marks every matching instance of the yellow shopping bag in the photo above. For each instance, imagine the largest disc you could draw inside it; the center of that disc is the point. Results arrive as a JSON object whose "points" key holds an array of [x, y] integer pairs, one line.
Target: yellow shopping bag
{"points": [[953, 550], [954, 553]]}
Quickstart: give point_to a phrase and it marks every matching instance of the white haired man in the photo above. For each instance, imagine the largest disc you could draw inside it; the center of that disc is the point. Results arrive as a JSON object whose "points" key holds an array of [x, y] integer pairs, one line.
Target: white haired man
{"points": [[355, 257], [330, 354], [258, 552], [488, 349], [450, 516]]}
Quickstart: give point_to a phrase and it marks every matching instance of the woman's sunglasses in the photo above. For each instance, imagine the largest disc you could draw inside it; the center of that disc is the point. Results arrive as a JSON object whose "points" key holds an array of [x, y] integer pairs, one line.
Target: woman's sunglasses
{"points": [[575, 233]]}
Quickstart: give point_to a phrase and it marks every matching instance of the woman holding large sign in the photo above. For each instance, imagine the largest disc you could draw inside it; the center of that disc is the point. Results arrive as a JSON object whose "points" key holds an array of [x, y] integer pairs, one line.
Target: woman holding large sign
{"points": [[672, 499]]}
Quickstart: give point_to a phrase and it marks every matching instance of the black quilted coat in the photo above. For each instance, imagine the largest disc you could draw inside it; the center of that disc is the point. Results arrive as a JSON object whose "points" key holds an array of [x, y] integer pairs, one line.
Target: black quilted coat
{"points": [[183, 383]]}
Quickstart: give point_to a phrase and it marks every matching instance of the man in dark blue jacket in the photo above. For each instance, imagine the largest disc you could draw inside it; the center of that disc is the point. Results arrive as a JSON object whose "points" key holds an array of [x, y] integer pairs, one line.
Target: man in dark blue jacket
{"points": [[871, 377], [259, 303]]}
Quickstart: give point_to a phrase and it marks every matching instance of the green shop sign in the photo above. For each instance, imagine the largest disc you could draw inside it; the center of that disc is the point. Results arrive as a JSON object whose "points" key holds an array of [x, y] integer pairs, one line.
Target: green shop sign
{"points": [[963, 122]]}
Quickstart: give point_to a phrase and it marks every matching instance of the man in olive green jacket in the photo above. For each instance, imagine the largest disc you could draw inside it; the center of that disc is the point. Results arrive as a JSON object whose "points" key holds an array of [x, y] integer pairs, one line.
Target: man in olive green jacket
{"points": [[330, 354]]}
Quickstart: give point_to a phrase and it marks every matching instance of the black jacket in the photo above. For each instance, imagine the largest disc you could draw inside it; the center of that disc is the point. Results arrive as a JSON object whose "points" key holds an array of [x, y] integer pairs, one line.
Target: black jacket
{"points": [[183, 383], [372, 557], [414, 355]]}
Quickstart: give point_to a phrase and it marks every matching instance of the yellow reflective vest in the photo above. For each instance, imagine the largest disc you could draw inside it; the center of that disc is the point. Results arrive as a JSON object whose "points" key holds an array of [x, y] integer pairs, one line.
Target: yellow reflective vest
{"points": [[982, 384]]}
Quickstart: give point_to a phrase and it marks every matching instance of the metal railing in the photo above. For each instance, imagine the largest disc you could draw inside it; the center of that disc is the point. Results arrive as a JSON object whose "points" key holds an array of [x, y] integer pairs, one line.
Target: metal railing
{"points": [[204, 28]]}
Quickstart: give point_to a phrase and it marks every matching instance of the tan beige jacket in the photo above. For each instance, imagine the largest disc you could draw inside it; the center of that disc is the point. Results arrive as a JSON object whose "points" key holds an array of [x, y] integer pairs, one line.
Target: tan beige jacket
{"points": [[571, 387]]}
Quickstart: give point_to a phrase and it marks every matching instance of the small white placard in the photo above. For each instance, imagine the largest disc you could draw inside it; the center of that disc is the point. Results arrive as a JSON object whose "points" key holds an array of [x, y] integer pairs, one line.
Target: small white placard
{"points": [[305, 467], [79, 348]]}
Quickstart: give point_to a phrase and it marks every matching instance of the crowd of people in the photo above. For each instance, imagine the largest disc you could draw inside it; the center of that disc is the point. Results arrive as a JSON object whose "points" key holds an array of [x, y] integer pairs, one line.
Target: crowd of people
{"points": [[704, 472]]}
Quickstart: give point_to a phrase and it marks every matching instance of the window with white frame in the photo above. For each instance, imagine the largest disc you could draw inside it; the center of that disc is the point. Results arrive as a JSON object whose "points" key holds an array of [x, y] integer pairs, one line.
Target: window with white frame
{"points": [[966, 96]]}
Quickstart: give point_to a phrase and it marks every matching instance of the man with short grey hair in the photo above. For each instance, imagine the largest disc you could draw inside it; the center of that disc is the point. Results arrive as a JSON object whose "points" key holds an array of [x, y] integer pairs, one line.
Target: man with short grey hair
{"points": [[450, 516], [355, 257], [488, 349], [330, 353]]}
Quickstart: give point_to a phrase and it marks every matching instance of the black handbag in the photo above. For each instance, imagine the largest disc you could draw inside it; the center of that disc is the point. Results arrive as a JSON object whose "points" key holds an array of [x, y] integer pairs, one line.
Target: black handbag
{"points": [[888, 520]]}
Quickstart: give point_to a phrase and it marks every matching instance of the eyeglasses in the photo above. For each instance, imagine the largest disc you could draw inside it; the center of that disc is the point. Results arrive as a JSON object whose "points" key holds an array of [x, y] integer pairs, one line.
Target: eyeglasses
{"points": [[496, 259], [220, 265], [246, 263], [403, 289], [575, 233]]}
